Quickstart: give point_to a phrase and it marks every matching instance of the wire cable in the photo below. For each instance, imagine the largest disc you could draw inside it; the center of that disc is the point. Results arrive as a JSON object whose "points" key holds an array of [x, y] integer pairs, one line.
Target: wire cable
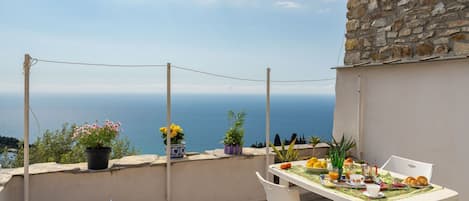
{"points": [[100, 64], [298, 81], [247, 79], [36, 60], [38, 125], [217, 75]]}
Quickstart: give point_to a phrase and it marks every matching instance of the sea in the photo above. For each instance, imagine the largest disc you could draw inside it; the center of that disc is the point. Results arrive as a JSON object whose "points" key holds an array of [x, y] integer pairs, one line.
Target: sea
{"points": [[202, 116]]}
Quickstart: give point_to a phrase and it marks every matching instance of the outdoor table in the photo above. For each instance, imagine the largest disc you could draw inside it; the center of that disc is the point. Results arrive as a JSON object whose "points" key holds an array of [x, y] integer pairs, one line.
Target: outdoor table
{"points": [[438, 192]]}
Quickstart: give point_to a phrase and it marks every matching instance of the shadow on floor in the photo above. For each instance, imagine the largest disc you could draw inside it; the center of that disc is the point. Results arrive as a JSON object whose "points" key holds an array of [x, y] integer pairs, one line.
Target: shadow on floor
{"points": [[312, 197]]}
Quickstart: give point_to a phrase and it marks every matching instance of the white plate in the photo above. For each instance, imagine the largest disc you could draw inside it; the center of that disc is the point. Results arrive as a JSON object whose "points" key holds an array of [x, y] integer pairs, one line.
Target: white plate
{"points": [[380, 195], [355, 184]]}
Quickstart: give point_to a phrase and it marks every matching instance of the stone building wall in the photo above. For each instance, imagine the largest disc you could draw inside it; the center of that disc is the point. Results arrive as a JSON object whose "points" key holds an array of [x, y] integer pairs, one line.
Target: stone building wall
{"points": [[383, 30]]}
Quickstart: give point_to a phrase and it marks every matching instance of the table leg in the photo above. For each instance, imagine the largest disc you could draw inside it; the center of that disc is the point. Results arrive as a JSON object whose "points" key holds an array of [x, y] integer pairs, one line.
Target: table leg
{"points": [[283, 182]]}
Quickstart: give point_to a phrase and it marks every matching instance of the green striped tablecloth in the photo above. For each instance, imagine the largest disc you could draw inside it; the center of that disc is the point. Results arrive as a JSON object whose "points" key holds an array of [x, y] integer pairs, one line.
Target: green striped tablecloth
{"points": [[358, 193]]}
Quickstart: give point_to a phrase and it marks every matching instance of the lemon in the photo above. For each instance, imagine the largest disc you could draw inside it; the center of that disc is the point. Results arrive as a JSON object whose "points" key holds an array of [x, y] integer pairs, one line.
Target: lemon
{"points": [[323, 164], [309, 164], [313, 159], [317, 165]]}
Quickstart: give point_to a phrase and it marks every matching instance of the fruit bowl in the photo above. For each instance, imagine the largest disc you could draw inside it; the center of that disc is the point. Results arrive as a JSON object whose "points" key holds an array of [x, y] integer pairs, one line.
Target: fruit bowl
{"points": [[312, 170], [316, 166]]}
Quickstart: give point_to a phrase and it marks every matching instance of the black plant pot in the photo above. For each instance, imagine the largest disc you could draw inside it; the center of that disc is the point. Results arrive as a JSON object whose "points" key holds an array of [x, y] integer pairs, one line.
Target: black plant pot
{"points": [[98, 158]]}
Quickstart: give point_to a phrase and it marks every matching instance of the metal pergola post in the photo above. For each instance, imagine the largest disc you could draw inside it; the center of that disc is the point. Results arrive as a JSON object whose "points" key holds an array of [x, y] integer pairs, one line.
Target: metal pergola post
{"points": [[267, 125], [359, 120], [168, 132], [26, 69]]}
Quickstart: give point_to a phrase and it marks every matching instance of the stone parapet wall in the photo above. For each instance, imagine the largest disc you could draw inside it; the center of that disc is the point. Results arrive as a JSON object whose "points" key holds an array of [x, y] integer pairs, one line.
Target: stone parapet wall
{"points": [[206, 176], [383, 30]]}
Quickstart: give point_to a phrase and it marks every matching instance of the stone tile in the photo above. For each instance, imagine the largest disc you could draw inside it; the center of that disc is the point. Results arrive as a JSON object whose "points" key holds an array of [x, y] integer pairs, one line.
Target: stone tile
{"points": [[352, 25], [372, 5], [4, 178], [40, 168], [135, 160], [439, 9], [449, 32], [461, 48], [381, 22], [458, 23]]}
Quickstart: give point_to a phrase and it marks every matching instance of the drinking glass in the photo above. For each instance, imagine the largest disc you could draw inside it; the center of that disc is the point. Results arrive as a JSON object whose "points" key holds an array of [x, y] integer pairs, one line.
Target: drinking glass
{"points": [[334, 174]]}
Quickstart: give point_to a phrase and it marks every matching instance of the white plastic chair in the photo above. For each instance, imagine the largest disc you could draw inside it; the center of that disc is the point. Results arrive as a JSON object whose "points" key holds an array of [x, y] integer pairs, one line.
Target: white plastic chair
{"points": [[408, 167], [275, 192]]}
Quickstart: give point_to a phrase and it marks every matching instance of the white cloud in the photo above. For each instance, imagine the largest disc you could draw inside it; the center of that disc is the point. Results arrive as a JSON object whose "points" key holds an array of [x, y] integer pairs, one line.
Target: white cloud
{"points": [[287, 4], [323, 10]]}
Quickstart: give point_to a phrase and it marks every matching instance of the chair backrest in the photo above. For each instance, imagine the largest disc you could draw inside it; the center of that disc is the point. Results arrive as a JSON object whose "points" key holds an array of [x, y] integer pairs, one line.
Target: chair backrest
{"points": [[275, 192], [408, 167]]}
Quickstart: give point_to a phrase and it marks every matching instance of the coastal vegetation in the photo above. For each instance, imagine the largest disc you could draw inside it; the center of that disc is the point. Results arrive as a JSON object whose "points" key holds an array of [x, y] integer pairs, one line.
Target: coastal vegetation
{"points": [[8, 142], [278, 142], [59, 146]]}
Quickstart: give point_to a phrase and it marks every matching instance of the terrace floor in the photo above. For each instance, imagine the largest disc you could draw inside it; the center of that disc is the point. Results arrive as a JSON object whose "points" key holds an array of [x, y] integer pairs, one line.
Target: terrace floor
{"points": [[307, 196]]}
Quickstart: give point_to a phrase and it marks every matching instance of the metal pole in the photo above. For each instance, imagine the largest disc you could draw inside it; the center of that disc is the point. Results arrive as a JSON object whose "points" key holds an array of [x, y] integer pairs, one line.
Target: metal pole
{"points": [[26, 69], [267, 125], [359, 109], [168, 132]]}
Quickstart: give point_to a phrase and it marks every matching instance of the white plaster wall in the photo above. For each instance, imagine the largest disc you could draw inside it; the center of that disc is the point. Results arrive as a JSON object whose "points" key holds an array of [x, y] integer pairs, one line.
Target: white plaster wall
{"points": [[228, 179], [13, 191], [419, 111]]}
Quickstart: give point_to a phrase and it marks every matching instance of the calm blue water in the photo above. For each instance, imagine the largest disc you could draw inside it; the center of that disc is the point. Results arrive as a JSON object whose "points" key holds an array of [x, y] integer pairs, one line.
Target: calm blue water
{"points": [[203, 117]]}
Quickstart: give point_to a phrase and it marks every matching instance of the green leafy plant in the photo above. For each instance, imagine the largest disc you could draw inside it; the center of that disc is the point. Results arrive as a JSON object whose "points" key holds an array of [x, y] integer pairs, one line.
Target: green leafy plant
{"points": [[314, 141], [338, 150], [286, 155], [235, 134], [59, 146]]}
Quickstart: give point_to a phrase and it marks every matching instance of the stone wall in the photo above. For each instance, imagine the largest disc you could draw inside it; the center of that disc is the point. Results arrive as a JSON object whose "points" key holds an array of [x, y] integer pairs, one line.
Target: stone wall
{"points": [[383, 30], [207, 176]]}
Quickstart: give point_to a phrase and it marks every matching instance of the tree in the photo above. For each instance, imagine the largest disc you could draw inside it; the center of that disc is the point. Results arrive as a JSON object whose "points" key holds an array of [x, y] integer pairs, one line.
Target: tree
{"points": [[277, 141], [8, 142]]}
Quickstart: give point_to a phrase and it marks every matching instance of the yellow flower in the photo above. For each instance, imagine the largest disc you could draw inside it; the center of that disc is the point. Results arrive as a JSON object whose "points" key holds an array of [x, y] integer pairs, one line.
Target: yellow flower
{"points": [[173, 134], [174, 130], [177, 129]]}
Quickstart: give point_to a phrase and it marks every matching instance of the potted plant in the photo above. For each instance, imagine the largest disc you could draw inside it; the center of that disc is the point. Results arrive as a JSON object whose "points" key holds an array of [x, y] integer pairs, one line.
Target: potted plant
{"points": [[314, 142], [178, 148], [285, 155], [338, 152], [233, 140], [97, 139]]}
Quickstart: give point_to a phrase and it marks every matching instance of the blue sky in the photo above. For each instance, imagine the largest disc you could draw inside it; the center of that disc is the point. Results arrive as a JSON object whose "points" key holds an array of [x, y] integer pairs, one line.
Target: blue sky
{"points": [[298, 39]]}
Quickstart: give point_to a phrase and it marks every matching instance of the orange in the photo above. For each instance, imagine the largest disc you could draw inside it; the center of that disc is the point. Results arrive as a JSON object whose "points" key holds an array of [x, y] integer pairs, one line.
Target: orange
{"points": [[333, 175]]}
